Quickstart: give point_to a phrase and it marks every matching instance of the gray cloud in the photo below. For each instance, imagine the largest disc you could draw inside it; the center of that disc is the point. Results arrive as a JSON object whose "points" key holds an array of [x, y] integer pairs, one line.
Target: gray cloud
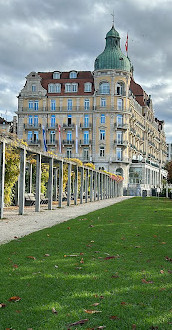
{"points": [[61, 34]]}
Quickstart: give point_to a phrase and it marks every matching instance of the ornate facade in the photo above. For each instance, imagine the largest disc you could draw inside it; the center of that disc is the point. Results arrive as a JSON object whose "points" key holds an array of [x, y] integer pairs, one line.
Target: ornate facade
{"points": [[102, 116]]}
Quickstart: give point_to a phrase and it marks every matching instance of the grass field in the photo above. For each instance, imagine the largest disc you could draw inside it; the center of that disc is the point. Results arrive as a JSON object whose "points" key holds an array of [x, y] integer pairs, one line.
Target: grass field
{"points": [[110, 268]]}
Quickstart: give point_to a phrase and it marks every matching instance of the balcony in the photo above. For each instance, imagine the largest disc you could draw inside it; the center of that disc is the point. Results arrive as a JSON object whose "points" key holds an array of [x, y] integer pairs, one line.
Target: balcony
{"points": [[119, 160], [85, 126], [53, 127], [85, 142], [34, 143], [52, 142], [68, 142], [27, 109], [32, 126], [121, 143], [121, 126], [68, 126]]}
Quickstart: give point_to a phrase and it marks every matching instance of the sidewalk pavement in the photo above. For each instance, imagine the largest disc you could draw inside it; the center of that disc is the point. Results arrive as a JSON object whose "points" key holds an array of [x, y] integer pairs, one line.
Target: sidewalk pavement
{"points": [[20, 225]]}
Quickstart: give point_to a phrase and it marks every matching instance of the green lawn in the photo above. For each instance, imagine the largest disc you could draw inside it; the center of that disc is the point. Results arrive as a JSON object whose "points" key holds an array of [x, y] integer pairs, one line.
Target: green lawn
{"points": [[132, 288]]}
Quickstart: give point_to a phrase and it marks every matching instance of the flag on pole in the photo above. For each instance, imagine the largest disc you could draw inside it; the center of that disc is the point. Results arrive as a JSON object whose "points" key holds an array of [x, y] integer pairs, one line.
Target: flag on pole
{"points": [[60, 143], [126, 44], [44, 138], [76, 139]]}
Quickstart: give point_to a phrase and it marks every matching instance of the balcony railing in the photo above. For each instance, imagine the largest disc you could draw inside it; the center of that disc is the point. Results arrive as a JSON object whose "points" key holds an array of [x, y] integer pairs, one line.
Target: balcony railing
{"points": [[68, 126], [121, 143], [68, 142], [85, 142], [83, 125], [36, 142], [120, 126], [32, 126], [52, 142], [51, 126]]}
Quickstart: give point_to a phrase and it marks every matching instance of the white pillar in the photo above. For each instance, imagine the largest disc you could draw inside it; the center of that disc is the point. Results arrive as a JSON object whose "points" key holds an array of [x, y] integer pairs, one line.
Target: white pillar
{"points": [[2, 177], [50, 184], [60, 183], [22, 180], [38, 182]]}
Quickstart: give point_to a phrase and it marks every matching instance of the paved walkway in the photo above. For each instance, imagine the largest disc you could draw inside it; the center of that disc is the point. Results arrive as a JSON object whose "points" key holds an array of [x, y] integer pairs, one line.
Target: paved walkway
{"points": [[14, 225]]}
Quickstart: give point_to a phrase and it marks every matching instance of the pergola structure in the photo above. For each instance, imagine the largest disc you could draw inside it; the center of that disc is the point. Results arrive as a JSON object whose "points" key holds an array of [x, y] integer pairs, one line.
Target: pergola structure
{"points": [[95, 185]]}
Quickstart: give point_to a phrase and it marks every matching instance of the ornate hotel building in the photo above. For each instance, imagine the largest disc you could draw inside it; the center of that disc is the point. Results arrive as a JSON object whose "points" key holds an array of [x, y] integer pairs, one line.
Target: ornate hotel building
{"points": [[102, 116]]}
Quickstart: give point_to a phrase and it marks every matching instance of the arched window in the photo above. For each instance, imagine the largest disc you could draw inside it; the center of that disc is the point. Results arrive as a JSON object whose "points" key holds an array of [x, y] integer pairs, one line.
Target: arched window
{"points": [[104, 88], [51, 88], [120, 88], [87, 87], [73, 74], [56, 75]]}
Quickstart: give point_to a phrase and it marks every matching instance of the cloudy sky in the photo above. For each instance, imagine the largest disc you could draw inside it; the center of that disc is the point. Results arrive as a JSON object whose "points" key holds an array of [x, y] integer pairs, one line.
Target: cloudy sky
{"points": [[48, 35]]}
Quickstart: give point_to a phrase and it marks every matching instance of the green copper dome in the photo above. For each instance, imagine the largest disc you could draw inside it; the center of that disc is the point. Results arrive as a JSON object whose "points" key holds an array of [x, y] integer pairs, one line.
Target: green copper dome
{"points": [[112, 57]]}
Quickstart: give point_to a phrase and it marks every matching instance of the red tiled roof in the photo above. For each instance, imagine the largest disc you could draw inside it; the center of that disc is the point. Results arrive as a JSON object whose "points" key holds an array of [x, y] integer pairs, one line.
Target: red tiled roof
{"points": [[82, 78]]}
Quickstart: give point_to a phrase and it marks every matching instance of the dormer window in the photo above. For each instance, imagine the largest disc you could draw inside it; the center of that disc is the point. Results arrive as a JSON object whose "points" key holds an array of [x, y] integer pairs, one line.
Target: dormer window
{"points": [[56, 75], [73, 88], [73, 74], [87, 87], [51, 88], [57, 88], [104, 88]]}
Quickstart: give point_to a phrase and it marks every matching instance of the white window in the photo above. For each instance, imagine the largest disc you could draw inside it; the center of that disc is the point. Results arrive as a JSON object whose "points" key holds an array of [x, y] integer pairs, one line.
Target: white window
{"points": [[67, 88], [119, 120], [87, 87], [52, 137], [120, 88], [118, 153], [69, 136], [30, 120], [53, 120], [86, 137], [73, 74], [103, 102], [29, 136], [102, 119], [57, 88], [69, 153], [86, 154], [53, 104], [119, 136], [74, 88], [35, 121], [119, 104], [69, 104], [35, 136], [33, 88], [102, 134], [104, 88], [102, 151], [36, 105], [31, 104], [56, 75], [50, 88], [86, 104], [86, 121]]}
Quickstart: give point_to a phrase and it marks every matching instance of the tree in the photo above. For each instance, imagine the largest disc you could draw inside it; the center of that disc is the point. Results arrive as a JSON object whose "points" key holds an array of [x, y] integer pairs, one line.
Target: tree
{"points": [[168, 167]]}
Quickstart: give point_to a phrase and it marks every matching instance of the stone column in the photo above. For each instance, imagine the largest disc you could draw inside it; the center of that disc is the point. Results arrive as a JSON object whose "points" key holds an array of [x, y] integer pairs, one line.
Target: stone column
{"points": [[76, 185], [86, 185], [69, 185], [38, 182], [55, 184], [50, 184], [91, 185], [30, 178], [98, 186], [101, 186], [2, 177], [22, 180], [95, 185], [82, 185], [104, 180], [60, 183]]}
